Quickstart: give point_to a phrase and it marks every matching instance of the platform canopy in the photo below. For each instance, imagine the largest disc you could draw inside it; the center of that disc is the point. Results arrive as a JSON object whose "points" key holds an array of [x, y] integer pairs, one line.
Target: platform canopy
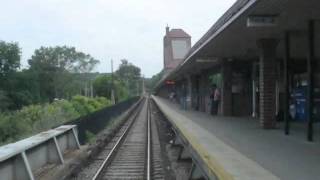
{"points": [[234, 36]]}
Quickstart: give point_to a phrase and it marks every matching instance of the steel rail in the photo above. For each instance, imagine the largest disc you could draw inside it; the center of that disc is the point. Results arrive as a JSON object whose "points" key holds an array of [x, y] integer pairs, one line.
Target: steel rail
{"points": [[149, 143], [115, 147]]}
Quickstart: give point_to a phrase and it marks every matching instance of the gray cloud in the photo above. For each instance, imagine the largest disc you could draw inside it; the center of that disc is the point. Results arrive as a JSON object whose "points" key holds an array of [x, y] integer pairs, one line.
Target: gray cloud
{"points": [[106, 29]]}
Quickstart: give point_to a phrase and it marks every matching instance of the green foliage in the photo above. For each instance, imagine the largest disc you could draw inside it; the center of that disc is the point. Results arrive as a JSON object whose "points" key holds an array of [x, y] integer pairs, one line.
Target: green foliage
{"points": [[103, 86], [9, 58], [128, 71], [10, 128], [60, 59], [55, 68], [55, 72], [84, 105], [36, 118], [48, 93], [130, 76], [152, 82], [9, 63], [6, 102], [90, 137]]}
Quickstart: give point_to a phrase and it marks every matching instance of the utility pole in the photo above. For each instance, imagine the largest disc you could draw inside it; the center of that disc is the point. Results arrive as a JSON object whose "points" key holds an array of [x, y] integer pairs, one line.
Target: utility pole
{"points": [[86, 89], [138, 93], [143, 87], [91, 89], [112, 84]]}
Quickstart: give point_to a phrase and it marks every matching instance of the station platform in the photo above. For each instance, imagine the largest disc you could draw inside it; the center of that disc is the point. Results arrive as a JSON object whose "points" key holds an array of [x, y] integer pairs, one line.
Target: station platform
{"points": [[237, 148]]}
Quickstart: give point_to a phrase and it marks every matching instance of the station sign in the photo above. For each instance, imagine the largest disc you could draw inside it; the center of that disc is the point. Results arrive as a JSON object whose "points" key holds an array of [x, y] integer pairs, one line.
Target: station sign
{"points": [[262, 21], [170, 82]]}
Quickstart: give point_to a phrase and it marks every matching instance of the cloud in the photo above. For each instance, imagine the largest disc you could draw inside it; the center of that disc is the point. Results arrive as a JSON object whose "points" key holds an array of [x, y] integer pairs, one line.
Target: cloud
{"points": [[106, 29]]}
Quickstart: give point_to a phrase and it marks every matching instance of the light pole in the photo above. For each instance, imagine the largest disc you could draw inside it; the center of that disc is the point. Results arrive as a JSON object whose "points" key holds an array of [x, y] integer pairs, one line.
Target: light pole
{"points": [[112, 85]]}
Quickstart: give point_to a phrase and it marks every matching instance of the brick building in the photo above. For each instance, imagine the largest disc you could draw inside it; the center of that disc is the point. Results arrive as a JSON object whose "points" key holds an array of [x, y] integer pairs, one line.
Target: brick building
{"points": [[176, 44]]}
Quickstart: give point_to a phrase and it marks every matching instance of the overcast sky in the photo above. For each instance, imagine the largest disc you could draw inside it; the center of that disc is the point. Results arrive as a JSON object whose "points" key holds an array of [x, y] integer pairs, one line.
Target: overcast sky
{"points": [[106, 29]]}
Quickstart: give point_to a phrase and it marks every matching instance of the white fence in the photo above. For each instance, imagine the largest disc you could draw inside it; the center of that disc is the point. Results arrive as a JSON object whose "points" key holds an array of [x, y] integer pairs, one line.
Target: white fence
{"points": [[22, 159]]}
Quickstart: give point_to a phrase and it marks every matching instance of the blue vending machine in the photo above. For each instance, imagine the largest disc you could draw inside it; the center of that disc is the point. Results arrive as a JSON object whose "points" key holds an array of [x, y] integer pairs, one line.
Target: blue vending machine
{"points": [[299, 96]]}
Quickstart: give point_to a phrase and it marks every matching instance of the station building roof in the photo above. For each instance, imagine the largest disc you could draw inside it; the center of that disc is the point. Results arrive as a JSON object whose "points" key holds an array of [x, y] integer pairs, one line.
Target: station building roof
{"points": [[178, 33], [231, 38]]}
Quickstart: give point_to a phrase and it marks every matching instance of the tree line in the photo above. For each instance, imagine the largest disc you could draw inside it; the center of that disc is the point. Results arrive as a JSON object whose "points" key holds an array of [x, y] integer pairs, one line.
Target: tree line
{"points": [[58, 86], [59, 72]]}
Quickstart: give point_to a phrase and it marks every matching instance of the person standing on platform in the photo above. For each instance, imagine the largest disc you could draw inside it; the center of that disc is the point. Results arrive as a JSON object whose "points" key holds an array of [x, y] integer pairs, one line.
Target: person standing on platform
{"points": [[215, 99], [213, 88], [183, 98]]}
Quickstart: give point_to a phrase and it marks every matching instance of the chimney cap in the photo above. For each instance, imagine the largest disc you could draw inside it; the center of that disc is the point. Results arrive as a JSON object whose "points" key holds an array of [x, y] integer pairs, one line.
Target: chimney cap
{"points": [[167, 29]]}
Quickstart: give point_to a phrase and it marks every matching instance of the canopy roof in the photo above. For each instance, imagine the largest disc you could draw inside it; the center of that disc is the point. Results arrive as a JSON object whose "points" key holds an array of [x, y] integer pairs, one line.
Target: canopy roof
{"points": [[231, 38]]}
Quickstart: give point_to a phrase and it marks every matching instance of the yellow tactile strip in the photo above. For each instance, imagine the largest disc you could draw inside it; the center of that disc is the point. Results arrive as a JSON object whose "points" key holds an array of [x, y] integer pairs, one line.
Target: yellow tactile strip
{"points": [[222, 160]]}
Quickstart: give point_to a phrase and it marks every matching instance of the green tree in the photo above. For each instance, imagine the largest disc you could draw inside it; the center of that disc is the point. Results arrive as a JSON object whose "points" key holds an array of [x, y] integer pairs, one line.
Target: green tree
{"points": [[130, 75], [9, 58], [5, 101], [9, 64], [25, 89], [53, 66], [153, 81], [103, 86]]}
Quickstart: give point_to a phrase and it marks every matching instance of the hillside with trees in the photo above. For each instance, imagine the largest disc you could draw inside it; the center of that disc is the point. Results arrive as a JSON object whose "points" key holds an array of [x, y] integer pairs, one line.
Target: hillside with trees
{"points": [[58, 86]]}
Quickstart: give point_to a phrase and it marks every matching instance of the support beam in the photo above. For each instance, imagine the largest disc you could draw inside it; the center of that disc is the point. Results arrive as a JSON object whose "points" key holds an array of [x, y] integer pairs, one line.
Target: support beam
{"points": [[202, 92], [75, 136], [27, 165], [226, 93], [254, 86], [177, 141], [267, 82], [58, 150], [310, 74], [286, 83], [196, 173], [189, 92], [184, 155]]}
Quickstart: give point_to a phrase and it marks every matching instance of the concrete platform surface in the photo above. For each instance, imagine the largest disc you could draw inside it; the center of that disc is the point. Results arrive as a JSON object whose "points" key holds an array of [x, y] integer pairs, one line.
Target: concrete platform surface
{"points": [[237, 148]]}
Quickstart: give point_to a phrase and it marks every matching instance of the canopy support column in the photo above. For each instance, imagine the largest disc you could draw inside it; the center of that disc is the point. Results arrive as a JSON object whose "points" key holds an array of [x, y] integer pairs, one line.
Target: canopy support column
{"points": [[267, 82], [310, 72], [286, 83]]}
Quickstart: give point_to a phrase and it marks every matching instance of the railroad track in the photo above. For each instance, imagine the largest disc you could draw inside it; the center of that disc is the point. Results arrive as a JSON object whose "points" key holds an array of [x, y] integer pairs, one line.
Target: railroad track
{"points": [[134, 152]]}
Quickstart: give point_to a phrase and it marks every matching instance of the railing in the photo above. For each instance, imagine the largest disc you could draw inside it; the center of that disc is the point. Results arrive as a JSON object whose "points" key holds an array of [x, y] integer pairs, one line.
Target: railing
{"points": [[21, 160]]}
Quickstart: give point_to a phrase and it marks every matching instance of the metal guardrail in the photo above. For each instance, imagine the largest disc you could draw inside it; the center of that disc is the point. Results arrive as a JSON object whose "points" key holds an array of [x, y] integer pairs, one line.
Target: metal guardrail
{"points": [[22, 159]]}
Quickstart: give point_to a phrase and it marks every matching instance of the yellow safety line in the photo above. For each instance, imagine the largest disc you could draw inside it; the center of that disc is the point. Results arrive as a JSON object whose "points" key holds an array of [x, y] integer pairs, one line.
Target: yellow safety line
{"points": [[216, 169]]}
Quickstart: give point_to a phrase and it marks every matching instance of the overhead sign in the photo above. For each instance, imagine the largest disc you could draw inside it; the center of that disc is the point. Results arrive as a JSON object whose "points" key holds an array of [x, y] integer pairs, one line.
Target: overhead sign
{"points": [[212, 60], [262, 21]]}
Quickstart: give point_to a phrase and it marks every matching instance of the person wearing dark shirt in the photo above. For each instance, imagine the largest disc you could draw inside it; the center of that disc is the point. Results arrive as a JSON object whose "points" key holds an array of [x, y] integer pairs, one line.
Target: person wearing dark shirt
{"points": [[215, 99]]}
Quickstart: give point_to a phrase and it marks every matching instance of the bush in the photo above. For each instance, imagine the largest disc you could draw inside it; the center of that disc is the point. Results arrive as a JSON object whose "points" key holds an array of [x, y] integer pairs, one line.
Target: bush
{"points": [[36, 118], [90, 137], [10, 128], [84, 105]]}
